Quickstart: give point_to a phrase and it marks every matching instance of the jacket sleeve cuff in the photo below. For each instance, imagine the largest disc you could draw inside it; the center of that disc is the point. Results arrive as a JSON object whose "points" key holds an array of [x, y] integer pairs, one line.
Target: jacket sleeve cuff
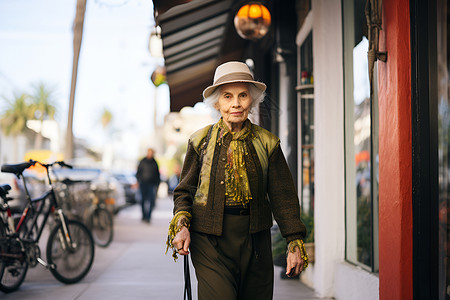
{"points": [[301, 247], [181, 218], [293, 237]]}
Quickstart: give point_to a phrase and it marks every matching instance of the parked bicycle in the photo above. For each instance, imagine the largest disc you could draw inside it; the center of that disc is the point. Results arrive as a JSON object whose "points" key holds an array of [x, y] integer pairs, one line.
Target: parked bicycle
{"points": [[70, 246], [82, 203]]}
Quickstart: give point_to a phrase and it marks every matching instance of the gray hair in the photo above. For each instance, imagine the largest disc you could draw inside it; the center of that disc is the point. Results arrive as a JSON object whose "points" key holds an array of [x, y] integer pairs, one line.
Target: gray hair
{"points": [[256, 94]]}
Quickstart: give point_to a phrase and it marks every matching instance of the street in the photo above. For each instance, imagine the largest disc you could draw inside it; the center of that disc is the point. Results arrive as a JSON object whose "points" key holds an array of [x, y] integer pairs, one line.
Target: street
{"points": [[134, 266]]}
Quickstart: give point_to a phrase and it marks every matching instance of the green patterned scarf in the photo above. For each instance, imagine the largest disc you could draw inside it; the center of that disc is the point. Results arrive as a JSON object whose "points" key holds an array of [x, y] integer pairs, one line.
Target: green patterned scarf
{"points": [[236, 179]]}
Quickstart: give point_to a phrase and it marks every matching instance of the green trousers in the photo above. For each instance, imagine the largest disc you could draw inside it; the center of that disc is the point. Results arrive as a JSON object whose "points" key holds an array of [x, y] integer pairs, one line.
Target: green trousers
{"points": [[235, 265]]}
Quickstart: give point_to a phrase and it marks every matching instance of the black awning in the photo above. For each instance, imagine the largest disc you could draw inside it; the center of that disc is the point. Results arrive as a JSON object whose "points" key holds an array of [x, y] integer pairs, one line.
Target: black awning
{"points": [[193, 36]]}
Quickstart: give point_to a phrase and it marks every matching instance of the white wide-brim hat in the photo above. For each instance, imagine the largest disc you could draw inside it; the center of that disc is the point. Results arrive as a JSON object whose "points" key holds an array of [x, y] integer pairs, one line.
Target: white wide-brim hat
{"points": [[232, 72]]}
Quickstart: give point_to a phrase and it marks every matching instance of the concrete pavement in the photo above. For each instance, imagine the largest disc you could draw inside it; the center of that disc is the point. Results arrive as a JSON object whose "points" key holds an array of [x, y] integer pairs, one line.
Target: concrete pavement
{"points": [[134, 266]]}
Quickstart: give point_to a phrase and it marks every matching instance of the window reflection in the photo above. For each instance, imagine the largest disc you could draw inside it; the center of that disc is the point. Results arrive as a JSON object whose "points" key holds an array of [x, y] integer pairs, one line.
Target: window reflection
{"points": [[362, 144], [443, 149]]}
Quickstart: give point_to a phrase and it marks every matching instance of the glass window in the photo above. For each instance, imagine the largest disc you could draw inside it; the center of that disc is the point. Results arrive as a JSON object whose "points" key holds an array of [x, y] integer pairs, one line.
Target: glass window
{"points": [[361, 136], [306, 134], [443, 148]]}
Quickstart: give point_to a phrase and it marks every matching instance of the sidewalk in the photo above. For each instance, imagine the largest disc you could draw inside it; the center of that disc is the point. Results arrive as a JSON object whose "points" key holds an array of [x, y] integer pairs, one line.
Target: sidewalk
{"points": [[165, 277], [134, 266]]}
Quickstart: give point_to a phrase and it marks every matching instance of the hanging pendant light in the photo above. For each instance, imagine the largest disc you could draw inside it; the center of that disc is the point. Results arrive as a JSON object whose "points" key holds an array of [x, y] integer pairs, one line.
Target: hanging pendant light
{"points": [[155, 44], [252, 21]]}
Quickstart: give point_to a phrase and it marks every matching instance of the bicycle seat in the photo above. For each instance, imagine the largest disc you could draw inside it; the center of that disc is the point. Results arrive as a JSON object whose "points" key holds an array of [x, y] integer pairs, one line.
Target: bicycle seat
{"points": [[16, 168], [4, 188]]}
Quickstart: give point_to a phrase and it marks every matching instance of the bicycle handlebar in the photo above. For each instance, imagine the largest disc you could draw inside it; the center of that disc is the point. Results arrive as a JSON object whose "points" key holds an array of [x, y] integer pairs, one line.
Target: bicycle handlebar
{"points": [[18, 169], [60, 162], [64, 165]]}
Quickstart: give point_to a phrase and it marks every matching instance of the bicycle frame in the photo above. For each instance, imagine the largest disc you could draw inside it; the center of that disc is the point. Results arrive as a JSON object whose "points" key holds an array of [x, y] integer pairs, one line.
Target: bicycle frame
{"points": [[52, 207], [34, 222]]}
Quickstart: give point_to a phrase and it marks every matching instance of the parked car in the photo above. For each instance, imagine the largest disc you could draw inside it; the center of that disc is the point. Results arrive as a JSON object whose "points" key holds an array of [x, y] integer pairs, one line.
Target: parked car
{"points": [[172, 183], [16, 193], [107, 187], [35, 184], [102, 184], [130, 184]]}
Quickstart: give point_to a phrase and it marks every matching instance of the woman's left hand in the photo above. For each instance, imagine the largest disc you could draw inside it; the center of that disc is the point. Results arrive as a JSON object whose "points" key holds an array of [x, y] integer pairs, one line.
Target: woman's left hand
{"points": [[295, 262]]}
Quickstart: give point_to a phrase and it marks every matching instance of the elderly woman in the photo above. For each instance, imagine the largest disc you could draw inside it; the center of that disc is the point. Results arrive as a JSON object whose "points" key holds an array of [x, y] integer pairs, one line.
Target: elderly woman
{"points": [[234, 178]]}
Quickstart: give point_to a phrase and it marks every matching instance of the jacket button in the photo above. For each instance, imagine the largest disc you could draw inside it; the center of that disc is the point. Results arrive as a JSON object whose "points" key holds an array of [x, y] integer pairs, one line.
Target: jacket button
{"points": [[222, 182]]}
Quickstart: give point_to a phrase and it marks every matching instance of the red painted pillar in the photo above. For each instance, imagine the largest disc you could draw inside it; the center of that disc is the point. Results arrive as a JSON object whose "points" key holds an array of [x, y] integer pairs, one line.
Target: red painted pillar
{"points": [[395, 157]]}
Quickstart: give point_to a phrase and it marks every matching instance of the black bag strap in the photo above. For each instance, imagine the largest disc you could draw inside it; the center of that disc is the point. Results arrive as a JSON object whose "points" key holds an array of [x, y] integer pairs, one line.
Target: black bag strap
{"points": [[187, 279]]}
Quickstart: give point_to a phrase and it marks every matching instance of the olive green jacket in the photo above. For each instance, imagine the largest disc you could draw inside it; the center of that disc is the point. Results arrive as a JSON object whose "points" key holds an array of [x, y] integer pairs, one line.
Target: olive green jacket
{"points": [[270, 181]]}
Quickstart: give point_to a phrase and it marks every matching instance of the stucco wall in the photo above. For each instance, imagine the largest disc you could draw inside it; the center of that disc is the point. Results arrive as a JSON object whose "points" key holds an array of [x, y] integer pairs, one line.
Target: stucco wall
{"points": [[395, 187]]}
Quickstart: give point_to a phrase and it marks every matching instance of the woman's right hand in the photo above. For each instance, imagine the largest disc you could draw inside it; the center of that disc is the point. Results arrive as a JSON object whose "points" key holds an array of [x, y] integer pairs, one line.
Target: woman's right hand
{"points": [[182, 241]]}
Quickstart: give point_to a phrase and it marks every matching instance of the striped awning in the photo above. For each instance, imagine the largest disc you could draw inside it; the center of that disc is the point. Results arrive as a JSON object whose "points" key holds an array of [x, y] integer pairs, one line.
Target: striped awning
{"points": [[194, 36]]}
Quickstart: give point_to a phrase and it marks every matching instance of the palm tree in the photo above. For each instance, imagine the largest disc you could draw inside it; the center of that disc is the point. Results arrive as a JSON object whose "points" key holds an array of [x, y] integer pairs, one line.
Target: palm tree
{"points": [[43, 109], [14, 119], [106, 118]]}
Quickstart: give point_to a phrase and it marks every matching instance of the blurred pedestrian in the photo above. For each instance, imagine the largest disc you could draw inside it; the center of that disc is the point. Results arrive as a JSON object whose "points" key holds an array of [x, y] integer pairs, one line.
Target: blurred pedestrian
{"points": [[148, 178], [233, 179]]}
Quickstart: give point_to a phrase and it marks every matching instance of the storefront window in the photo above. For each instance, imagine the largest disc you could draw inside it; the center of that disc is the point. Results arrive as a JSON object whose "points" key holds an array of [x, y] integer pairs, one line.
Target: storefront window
{"points": [[306, 130], [443, 149], [305, 89], [361, 148]]}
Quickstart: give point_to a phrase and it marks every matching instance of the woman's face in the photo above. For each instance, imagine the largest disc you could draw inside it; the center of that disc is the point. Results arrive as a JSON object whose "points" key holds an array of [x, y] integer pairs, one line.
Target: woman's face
{"points": [[234, 104]]}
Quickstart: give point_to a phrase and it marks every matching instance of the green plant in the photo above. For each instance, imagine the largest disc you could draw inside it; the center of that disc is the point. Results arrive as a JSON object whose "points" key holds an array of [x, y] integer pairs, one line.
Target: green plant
{"points": [[308, 220], [279, 246]]}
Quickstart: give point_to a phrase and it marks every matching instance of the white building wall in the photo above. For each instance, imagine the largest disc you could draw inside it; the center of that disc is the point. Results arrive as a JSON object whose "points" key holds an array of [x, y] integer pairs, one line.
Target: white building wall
{"points": [[355, 283], [330, 275], [329, 144], [12, 149]]}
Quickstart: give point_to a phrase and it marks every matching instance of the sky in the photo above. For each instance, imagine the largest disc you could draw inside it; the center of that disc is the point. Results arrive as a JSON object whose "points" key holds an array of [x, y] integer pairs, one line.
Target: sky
{"points": [[361, 83], [36, 45]]}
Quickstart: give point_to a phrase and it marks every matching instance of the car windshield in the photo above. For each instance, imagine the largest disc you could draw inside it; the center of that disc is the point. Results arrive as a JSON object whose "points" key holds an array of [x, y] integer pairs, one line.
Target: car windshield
{"points": [[128, 178], [78, 174]]}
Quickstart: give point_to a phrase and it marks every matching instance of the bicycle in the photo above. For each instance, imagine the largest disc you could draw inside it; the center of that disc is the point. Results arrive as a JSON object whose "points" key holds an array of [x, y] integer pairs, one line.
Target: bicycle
{"points": [[100, 221], [70, 246], [95, 215]]}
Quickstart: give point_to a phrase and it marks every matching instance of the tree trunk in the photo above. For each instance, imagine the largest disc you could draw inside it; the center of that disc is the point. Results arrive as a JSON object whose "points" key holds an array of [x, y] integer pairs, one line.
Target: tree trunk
{"points": [[77, 37]]}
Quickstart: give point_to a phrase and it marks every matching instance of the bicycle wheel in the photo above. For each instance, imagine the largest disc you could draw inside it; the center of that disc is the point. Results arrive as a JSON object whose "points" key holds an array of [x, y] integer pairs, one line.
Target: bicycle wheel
{"points": [[101, 226], [71, 263], [12, 270]]}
